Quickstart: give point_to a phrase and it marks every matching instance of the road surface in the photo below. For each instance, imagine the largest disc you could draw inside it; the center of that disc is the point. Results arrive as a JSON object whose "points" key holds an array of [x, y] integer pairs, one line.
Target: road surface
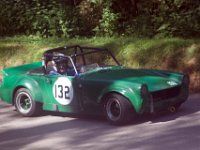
{"points": [[164, 131]]}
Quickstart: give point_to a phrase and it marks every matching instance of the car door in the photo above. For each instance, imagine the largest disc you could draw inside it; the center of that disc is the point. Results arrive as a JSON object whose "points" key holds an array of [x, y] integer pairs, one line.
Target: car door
{"points": [[61, 93]]}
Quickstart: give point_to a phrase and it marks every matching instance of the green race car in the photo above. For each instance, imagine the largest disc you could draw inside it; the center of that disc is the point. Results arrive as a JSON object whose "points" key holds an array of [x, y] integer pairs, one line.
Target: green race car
{"points": [[75, 79]]}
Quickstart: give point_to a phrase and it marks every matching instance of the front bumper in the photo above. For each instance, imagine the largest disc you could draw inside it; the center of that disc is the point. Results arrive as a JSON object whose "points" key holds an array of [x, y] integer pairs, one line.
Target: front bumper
{"points": [[162, 100]]}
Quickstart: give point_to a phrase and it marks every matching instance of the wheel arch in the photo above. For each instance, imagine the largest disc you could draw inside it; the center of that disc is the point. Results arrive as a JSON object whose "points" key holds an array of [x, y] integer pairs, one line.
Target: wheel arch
{"points": [[132, 97], [30, 85]]}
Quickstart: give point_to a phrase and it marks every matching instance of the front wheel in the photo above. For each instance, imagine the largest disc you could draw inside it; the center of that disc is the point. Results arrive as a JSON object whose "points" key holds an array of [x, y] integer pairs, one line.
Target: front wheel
{"points": [[118, 109], [25, 104]]}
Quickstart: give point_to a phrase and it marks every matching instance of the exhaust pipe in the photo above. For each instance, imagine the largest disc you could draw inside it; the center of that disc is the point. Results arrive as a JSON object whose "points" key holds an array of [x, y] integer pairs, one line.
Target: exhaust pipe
{"points": [[172, 109]]}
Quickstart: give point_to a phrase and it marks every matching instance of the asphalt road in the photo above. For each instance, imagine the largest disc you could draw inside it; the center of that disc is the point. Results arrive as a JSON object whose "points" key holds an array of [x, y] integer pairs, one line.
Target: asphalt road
{"points": [[164, 131]]}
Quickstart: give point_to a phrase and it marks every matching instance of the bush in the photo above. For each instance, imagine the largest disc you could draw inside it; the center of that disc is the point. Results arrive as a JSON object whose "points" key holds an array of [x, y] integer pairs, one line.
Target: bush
{"points": [[37, 17], [73, 18]]}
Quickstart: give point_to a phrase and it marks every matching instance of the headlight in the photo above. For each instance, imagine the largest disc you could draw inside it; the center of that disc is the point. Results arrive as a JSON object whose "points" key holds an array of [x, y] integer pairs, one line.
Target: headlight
{"points": [[186, 80], [144, 90]]}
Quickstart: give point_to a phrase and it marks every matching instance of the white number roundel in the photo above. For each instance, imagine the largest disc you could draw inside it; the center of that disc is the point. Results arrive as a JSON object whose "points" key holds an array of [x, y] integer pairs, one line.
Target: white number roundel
{"points": [[63, 91]]}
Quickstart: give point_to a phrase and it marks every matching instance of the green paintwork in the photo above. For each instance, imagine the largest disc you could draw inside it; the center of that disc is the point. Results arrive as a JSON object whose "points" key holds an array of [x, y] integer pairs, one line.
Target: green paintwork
{"points": [[90, 88]]}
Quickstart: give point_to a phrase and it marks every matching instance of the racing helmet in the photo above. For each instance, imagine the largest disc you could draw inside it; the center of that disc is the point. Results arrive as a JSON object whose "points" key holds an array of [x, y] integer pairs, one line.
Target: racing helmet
{"points": [[61, 63]]}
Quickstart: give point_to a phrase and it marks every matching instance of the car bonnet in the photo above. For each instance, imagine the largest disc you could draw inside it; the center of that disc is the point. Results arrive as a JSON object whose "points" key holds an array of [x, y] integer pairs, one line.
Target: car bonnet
{"points": [[154, 79]]}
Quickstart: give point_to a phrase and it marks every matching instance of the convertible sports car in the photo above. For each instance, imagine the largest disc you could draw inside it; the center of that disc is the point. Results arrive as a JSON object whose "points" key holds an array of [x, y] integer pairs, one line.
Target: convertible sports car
{"points": [[91, 81]]}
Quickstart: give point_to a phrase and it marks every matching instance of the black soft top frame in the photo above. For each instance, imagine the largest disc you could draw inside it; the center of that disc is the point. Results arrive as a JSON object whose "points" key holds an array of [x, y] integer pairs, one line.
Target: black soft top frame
{"points": [[77, 51]]}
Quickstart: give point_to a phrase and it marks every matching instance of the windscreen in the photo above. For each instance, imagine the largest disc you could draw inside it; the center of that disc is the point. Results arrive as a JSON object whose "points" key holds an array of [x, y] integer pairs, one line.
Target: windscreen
{"points": [[102, 59]]}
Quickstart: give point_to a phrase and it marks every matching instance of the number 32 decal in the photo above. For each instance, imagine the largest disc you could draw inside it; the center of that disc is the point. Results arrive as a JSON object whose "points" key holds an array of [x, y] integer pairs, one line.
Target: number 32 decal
{"points": [[63, 91]]}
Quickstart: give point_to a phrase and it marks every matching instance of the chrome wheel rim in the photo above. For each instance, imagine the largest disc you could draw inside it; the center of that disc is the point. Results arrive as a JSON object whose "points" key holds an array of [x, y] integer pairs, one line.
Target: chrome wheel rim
{"points": [[23, 102], [113, 109]]}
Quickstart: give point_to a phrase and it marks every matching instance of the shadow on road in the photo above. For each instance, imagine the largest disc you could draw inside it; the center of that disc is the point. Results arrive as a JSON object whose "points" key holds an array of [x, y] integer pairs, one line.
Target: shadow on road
{"points": [[96, 131], [191, 106]]}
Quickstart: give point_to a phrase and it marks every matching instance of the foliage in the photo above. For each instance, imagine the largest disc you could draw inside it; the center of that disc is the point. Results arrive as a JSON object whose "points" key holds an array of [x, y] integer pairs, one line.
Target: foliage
{"points": [[107, 24], [44, 18], [69, 18]]}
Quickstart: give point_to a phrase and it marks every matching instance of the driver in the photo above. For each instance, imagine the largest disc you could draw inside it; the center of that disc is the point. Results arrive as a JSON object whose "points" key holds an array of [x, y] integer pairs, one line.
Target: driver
{"points": [[61, 66]]}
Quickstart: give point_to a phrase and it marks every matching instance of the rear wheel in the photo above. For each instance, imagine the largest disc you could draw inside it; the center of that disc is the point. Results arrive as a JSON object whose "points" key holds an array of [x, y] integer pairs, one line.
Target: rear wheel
{"points": [[25, 104], [118, 109]]}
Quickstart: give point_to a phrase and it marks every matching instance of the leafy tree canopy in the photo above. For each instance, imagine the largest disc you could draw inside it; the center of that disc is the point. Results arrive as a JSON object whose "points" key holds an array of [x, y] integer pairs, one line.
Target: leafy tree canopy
{"points": [[69, 18]]}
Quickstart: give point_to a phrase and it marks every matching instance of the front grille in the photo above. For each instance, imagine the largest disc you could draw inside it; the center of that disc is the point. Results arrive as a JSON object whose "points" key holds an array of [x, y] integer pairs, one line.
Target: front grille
{"points": [[166, 93]]}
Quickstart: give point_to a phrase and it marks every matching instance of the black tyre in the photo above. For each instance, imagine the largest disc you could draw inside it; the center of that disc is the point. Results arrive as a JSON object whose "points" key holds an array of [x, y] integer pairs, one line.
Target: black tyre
{"points": [[24, 103], [118, 109]]}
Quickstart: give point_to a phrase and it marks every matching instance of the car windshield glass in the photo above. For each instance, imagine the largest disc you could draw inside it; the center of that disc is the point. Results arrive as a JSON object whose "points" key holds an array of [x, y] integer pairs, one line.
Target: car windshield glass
{"points": [[90, 61], [103, 59]]}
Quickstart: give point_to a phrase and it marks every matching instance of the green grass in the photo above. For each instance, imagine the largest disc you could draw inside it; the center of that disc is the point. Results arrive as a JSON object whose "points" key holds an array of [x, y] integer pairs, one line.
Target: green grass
{"points": [[167, 53]]}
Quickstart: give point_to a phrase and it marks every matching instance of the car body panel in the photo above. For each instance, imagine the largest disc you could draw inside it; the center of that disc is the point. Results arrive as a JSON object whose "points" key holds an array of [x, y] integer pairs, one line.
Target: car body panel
{"points": [[15, 77]]}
